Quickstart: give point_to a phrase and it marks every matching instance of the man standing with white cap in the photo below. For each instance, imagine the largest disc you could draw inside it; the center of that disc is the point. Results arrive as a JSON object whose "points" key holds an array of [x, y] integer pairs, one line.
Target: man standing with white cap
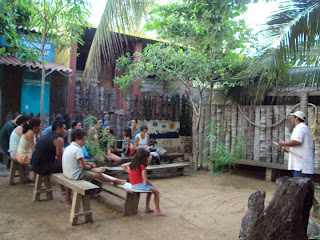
{"points": [[300, 149]]}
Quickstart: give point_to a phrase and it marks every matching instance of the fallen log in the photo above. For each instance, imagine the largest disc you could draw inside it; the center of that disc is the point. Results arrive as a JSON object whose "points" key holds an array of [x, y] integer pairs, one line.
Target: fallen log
{"points": [[287, 215]]}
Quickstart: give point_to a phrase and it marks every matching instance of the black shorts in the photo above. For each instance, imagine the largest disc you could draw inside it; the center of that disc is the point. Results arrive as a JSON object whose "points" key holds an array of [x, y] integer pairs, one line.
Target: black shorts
{"points": [[51, 167]]}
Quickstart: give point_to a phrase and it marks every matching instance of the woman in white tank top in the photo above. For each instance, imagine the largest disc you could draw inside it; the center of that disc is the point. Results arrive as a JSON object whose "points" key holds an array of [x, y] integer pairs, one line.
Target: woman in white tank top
{"points": [[16, 135], [142, 139]]}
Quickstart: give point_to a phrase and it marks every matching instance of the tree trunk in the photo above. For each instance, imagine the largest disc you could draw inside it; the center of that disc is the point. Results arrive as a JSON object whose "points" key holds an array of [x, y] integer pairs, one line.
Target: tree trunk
{"points": [[287, 215]]}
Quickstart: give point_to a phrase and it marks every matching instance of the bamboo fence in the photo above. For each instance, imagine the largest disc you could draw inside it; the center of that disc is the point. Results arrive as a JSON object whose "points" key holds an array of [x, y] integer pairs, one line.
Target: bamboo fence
{"points": [[258, 139]]}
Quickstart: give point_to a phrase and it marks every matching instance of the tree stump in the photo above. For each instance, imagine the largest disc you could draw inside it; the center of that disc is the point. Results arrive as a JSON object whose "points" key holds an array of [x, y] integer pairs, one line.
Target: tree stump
{"points": [[287, 215]]}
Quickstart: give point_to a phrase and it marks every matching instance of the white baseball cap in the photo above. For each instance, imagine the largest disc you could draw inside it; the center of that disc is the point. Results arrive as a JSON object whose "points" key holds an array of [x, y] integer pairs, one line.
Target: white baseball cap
{"points": [[299, 114]]}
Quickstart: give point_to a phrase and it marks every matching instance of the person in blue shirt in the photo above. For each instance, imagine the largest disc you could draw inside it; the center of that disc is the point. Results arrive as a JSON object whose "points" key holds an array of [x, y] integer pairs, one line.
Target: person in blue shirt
{"points": [[49, 129]]}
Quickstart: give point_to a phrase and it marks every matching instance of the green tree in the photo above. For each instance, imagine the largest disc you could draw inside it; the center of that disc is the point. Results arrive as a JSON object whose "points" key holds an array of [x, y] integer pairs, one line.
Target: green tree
{"points": [[205, 47], [60, 22]]}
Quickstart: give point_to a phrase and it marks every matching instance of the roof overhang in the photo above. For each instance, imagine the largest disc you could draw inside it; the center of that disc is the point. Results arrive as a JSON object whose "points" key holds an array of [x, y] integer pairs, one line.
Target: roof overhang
{"points": [[12, 61]]}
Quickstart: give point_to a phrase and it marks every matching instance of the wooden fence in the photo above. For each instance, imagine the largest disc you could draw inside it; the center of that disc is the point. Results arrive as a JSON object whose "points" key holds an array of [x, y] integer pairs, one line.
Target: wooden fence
{"points": [[258, 135]]}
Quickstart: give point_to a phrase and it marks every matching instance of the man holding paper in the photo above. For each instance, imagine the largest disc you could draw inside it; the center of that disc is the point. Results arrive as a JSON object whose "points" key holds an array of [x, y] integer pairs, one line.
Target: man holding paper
{"points": [[299, 147]]}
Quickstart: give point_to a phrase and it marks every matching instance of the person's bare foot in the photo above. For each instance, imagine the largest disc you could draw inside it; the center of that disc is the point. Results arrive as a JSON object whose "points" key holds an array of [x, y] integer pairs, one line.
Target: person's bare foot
{"points": [[148, 210], [67, 201], [160, 213], [120, 182]]}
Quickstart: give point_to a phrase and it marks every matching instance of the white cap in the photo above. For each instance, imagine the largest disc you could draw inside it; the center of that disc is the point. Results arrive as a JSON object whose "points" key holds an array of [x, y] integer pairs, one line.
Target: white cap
{"points": [[299, 115]]}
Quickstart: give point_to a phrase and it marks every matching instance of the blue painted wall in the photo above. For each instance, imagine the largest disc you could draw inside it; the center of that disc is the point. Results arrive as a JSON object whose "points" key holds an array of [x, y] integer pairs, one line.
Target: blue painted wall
{"points": [[31, 92], [49, 48]]}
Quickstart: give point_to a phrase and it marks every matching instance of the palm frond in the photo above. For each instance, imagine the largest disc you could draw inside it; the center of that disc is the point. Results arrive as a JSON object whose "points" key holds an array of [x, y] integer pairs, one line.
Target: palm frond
{"points": [[119, 16], [294, 29]]}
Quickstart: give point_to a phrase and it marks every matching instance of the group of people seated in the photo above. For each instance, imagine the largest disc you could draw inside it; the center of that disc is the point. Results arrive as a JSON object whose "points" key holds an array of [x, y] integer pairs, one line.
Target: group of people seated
{"points": [[59, 150]]}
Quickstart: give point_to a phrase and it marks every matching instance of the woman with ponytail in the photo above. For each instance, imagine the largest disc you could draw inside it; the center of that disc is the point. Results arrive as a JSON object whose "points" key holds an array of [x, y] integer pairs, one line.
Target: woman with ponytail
{"points": [[28, 140]]}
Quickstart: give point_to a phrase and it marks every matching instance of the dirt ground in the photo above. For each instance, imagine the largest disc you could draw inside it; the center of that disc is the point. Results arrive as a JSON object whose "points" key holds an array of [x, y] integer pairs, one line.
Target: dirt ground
{"points": [[199, 207]]}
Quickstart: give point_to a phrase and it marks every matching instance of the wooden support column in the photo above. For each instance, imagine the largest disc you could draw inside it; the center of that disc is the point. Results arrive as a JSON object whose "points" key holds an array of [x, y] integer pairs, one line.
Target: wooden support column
{"points": [[72, 84], [304, 103]]}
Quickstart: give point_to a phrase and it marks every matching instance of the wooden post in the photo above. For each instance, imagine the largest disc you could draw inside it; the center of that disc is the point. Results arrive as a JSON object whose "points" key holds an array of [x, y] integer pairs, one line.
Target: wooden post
{"points": [[304, 103], [76, 200], [131, 203]]}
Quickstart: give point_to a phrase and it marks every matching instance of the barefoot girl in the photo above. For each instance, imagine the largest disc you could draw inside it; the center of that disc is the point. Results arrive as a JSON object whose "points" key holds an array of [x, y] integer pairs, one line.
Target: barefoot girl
{"points": [[138, 178]]}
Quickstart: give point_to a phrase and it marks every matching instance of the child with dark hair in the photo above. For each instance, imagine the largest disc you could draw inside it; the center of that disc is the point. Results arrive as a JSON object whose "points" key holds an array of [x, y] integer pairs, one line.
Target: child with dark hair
{"points": [[138, 178], [126, 141], [74, 166]]}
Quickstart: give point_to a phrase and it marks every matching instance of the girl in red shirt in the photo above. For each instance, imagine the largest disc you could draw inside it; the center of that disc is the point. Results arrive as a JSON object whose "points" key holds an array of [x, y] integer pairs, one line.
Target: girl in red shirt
{"points": [[138, 178]]}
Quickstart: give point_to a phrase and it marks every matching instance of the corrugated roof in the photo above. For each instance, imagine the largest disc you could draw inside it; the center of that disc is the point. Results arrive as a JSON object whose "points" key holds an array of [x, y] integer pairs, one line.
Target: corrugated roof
{"points": [[8, 60]]}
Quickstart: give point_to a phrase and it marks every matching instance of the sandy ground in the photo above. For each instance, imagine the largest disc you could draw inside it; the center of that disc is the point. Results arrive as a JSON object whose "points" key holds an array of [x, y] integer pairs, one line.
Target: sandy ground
{"points": [[199, 207]]}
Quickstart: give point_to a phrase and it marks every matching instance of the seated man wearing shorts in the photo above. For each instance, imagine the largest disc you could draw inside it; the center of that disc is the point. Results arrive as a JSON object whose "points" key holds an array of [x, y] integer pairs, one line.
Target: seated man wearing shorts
{"points": [[74, 166], [47, 155]]}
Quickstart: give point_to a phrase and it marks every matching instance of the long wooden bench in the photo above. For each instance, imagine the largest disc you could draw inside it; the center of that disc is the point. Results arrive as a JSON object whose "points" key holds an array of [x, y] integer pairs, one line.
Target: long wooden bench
{"points": [[153, 171], [131, 198], [81, 191]]}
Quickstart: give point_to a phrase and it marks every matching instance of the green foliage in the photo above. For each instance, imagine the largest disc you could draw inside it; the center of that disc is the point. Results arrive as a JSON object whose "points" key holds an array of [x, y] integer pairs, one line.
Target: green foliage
{"points": [[221, 157], [205, 44]]}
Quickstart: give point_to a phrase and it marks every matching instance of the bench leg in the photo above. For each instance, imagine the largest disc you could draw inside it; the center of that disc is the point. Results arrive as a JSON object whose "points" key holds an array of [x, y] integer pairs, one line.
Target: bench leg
{"points": [[12, 172], [87, 208], [22, 176], [47, 184], [131, 203], [37, 188], [76, 199]]}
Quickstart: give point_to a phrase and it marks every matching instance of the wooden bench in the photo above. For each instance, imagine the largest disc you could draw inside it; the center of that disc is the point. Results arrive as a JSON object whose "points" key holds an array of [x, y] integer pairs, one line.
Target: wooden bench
{"points": [[81, 191], [131, 198], [153, 171], [16, 167]]}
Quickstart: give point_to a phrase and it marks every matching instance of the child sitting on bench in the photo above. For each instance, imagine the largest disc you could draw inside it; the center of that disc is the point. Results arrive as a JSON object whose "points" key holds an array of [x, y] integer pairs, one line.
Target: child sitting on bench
{"points": [[138, 178], [74, 166]]}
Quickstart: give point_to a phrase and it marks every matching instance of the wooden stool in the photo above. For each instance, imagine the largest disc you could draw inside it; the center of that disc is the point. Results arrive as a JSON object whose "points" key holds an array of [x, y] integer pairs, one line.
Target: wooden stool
{"points": [[37, 187], [16, 166]]}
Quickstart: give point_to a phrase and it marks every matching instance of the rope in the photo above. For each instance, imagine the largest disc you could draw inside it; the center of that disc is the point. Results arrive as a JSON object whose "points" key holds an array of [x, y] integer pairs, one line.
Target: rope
{"points": [[264, 126], [314, 128]]}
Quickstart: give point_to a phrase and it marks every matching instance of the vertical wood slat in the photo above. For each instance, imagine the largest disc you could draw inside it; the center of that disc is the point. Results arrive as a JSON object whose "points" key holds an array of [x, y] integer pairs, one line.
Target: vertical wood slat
{"points": [[262, 134], [165, 107], [142, 106], [282, 134], [275, 135], [287, 131], [101, 99], [213, 118], [135, 107], [256, 150], [310, 123], [250, 145], [246, 126], [153, 107], [317, 144], [268, 143], [160, 106], [106, 99], [228, 128], [219, 113], [234, 114], [206, 144], [177, 109]]}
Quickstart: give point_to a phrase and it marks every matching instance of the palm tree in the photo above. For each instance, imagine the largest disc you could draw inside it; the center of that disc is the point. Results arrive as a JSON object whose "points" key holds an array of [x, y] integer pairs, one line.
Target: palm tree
{"points": [[293, 30], [119, 16]]}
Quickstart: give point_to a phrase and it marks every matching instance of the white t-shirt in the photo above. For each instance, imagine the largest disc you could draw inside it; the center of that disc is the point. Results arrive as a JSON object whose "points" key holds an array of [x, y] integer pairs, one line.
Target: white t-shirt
{"points": [[70, 165], [303, 163]]}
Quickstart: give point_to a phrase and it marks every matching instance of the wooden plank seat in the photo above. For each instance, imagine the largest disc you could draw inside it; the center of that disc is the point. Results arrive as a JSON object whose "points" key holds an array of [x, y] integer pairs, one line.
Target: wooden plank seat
{"points": [[16, 167], [81, 191], [131, 198], [153, 171]]}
